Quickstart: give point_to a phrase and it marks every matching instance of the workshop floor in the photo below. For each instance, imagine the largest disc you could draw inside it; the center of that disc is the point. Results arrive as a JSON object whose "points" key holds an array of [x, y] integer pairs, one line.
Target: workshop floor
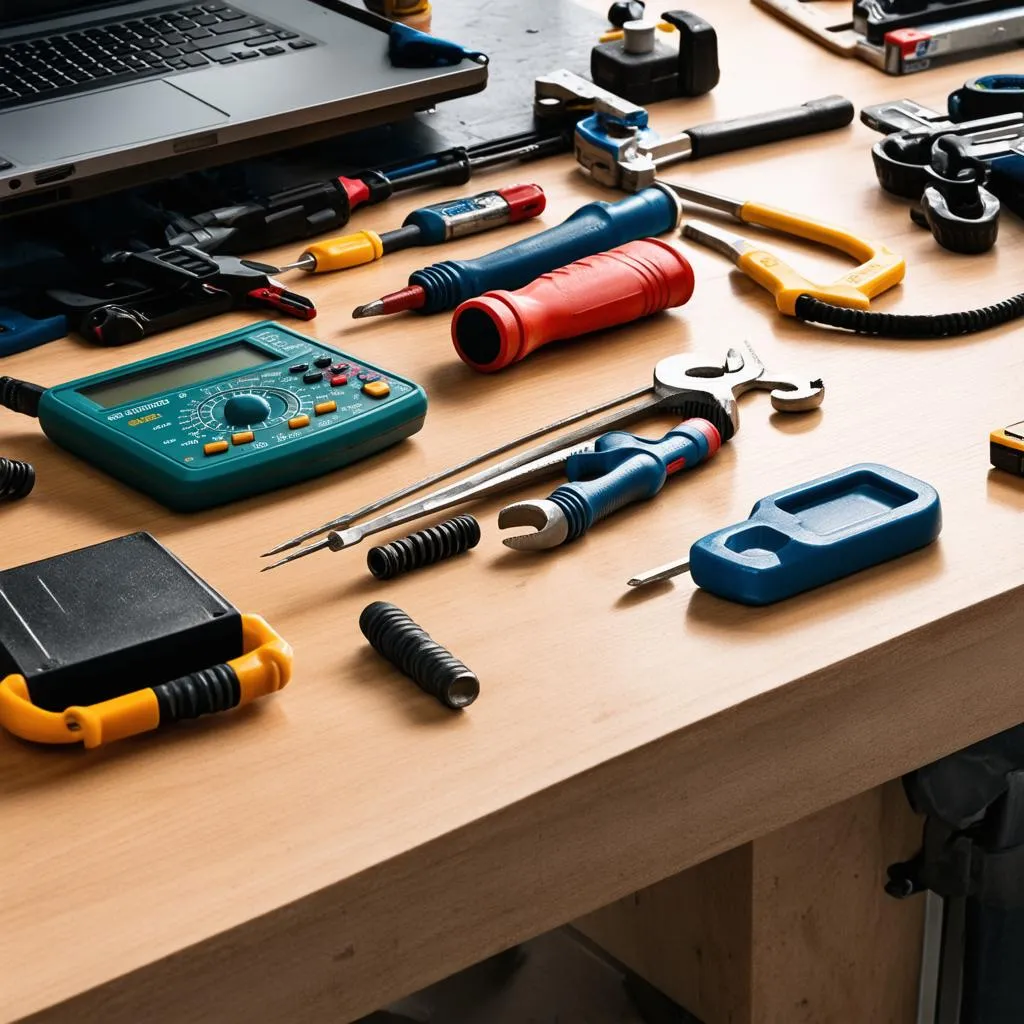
{"points": [[551, 980]]}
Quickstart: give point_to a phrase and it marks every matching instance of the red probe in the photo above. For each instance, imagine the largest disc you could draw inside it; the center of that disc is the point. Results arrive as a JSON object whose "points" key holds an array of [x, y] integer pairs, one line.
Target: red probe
{"points": [[499, 328]]}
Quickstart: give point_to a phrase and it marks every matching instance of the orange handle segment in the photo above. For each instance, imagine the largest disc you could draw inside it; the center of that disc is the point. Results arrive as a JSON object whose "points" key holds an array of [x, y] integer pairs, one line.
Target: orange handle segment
{"points": [[499, 328], [346, 251]]}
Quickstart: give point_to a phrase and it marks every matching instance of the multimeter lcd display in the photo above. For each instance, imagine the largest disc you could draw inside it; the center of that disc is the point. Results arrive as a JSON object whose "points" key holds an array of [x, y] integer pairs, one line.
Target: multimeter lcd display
{"points": [[135, 386]]}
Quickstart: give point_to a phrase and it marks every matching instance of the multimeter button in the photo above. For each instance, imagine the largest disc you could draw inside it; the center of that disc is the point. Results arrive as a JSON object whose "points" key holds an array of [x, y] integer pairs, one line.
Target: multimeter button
{"points": [[298, 368], [298, 421], [241, 410], [243, 437], [215, 447], [338, 380], [339, 367], [322, 361], [361, 375], [376, 389], [322, 408], [313, 377]]}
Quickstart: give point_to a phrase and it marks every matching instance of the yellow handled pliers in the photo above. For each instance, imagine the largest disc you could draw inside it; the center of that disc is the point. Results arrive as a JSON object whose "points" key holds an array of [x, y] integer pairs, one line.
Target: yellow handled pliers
{"points": [[880, 268]]}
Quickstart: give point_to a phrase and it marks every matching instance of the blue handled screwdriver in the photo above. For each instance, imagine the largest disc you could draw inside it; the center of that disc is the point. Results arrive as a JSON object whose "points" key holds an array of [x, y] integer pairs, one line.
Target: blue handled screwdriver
{"points": [[593, 228], [621, 469]]}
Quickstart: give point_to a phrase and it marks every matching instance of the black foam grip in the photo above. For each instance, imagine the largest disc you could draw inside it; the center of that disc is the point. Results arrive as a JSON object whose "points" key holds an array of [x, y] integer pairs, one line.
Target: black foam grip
{"points": [[200, 693], [745, 132]]}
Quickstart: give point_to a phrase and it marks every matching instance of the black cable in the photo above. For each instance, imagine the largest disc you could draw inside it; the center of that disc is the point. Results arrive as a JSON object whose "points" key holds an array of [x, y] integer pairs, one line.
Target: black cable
{"points": [[20, 396], [16, 479], [902, 325]]}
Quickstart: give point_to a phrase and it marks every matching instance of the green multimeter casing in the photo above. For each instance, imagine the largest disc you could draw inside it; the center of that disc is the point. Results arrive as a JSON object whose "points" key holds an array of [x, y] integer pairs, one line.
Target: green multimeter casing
{"points": [[161, 424]]}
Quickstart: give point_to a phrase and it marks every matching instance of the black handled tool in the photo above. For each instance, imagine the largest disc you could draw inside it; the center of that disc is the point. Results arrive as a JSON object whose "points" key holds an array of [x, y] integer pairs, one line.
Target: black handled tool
{"points": [[623, 152]]}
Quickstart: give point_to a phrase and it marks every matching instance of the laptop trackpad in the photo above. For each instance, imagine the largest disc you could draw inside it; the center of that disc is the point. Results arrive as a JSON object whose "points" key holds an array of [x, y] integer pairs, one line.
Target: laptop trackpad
{"points": [[117, 118]]}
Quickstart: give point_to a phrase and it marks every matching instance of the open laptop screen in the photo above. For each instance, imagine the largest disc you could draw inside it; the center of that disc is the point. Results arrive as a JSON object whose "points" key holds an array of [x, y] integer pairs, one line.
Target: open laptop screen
{"points": [[13, 11]]}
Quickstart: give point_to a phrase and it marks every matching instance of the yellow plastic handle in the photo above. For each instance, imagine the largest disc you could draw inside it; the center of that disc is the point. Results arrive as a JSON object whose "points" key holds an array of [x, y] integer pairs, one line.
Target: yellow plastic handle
{"points": [[880, 268], [346, 251], [264, 668]]}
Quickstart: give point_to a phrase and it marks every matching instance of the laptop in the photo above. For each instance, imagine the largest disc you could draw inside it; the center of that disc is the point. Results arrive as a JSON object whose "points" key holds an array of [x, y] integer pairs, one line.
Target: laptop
{"points": [[96, 95]]}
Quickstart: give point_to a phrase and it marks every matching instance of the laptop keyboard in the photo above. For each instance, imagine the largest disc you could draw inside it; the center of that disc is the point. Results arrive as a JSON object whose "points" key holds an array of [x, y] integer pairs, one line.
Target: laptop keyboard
{"points": [[116, 52]]}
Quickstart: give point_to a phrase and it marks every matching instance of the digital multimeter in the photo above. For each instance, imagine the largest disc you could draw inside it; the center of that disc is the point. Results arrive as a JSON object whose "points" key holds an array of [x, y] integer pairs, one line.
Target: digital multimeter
{"points": [[244, 413]]}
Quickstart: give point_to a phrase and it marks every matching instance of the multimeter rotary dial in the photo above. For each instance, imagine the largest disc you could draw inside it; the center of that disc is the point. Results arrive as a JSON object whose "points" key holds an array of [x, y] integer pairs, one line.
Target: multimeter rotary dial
{"points": [[246, 410], [258, 407]]}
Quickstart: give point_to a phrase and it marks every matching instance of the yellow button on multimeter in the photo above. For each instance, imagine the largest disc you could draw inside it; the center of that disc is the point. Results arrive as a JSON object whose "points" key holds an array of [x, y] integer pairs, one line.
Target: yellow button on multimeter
{"points": [[121, 638], [178, 426]]}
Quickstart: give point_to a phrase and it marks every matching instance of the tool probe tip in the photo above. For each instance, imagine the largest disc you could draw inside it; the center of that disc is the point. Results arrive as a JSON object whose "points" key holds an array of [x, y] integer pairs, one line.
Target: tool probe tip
{"points": [[301, 553]]}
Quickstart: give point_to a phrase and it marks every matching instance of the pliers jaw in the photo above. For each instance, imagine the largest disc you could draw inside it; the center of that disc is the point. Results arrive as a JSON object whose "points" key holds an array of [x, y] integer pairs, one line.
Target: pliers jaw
{"points": [[275, 296]]}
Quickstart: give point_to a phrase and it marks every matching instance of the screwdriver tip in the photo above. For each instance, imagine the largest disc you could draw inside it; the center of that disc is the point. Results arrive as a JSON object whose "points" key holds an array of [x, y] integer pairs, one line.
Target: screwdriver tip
{"points": [[375, 308]]}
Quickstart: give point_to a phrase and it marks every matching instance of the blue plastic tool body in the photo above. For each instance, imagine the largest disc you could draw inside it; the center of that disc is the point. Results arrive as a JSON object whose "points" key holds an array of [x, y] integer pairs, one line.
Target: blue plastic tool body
{"points": [[19, 332], [625, 468], [240, 414], [817, 532], [410, 48], [593, 228]]}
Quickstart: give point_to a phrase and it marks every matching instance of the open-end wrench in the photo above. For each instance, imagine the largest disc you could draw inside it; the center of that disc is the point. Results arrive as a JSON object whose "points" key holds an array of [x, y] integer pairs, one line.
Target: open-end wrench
{"points": [[682, 384], [624, 468]]}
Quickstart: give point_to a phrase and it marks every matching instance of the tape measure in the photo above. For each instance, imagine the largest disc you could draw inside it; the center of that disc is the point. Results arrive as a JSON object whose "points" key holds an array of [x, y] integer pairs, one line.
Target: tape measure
{"points": [[247, 412]]}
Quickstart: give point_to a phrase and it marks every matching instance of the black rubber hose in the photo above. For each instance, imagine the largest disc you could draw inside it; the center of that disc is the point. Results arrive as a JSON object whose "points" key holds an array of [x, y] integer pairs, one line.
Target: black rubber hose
{"points": [[902, 325]]}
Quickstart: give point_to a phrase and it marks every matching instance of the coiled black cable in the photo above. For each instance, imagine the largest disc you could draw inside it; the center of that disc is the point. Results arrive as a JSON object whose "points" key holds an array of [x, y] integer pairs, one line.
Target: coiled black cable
{"points": [[433, 668], [16, 479], [425, 547], [902, 325]]}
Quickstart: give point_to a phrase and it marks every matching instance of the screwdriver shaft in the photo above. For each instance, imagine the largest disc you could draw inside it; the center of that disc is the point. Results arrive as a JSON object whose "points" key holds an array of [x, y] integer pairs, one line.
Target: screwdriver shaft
{"points": [[663, 572]]}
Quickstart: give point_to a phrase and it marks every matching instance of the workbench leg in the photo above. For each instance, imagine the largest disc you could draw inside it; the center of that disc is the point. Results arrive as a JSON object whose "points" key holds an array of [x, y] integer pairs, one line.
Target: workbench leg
{"points": [[793, 928]]}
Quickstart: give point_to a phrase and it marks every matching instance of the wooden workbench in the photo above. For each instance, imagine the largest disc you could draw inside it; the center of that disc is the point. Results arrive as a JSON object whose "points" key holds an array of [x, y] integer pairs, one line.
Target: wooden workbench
{"points": [[349, 840]]}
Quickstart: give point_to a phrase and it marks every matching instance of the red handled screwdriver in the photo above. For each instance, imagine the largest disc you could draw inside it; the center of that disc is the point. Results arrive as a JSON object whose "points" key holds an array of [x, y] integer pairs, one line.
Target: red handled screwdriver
{"points": [[499, 328]]}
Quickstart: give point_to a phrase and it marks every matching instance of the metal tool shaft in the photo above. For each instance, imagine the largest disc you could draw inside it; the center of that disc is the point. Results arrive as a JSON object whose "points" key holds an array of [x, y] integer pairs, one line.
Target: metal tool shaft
{"points": [[663, 572], [445, 474]]}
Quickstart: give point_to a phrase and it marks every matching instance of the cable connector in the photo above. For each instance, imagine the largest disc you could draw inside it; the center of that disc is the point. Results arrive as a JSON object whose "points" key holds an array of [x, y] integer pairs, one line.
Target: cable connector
{"points": [[20, 396]]}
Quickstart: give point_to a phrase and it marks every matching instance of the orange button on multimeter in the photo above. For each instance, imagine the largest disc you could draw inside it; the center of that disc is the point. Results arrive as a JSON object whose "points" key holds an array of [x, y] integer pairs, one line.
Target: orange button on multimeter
{"points": [[190, 654]]}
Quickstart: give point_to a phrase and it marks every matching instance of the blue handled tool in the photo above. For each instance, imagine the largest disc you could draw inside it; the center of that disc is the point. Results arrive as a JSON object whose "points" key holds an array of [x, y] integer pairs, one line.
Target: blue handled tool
{"points": [[621, 469], [19, 332], [812, 534], [593, 228]]}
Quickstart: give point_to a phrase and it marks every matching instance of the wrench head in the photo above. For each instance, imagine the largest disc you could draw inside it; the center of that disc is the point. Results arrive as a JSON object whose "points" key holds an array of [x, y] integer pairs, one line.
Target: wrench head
{"points": [[695, 387], [547, 519]]}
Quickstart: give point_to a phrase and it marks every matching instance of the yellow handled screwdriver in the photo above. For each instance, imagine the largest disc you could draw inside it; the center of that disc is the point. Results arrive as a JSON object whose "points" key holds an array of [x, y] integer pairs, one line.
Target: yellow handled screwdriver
{"points": [[429, 225]]}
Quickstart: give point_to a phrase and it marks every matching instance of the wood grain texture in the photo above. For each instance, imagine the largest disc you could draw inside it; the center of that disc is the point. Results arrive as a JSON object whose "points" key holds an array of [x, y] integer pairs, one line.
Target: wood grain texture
{"points": [[690, 936], [350, 840], [792, 928]]}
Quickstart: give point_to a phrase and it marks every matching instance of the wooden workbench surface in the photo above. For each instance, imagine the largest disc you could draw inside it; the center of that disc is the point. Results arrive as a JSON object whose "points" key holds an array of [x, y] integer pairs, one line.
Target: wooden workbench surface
{"points": [[349, 840]]}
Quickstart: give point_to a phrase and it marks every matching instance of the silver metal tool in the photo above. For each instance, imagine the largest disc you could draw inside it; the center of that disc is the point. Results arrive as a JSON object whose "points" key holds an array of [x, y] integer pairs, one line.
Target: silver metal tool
{"points": [[626, 153], [565, 97], [898, 54], [682, 384], [624, 469], [662, 572]]}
